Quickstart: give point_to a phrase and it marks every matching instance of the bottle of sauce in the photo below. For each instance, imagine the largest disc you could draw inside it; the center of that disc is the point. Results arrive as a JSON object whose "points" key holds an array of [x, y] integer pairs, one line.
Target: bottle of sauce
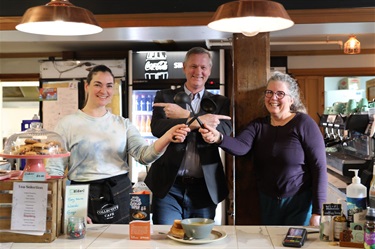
{"points": [[369, 236]]}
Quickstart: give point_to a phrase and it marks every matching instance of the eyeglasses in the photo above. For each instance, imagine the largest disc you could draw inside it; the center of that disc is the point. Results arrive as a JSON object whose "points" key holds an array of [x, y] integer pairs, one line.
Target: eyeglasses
{"points": [[279, 94]]}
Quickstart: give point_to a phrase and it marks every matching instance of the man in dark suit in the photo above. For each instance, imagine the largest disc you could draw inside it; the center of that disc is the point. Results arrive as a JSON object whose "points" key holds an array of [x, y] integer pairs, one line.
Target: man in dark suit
{"points": [[188, 180]]}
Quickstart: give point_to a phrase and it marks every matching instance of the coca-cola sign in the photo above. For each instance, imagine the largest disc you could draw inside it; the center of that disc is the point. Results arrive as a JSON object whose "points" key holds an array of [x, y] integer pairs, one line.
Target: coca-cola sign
{"points": [[165, 65], [156, 66]]}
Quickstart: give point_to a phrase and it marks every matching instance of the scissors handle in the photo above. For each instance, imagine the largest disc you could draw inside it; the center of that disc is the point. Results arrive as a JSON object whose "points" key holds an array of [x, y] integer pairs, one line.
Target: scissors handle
{"points": [[195, 118]]}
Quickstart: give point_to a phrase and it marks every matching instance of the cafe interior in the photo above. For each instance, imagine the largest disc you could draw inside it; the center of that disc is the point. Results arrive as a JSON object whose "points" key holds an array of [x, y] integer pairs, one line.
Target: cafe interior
{"points": [[319, 43]]}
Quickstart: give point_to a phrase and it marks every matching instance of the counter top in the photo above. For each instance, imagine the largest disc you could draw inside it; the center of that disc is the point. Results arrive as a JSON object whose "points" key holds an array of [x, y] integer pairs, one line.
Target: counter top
{"points": [[117, 236]]}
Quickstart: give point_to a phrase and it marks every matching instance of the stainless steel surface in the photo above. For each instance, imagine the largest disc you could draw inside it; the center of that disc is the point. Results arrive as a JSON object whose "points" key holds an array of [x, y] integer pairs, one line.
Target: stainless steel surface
{"points": [[343, 158]]}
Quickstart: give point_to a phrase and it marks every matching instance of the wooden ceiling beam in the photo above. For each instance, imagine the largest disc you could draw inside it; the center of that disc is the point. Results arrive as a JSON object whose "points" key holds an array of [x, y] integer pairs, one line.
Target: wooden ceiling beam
{"points": [[122, 54]]}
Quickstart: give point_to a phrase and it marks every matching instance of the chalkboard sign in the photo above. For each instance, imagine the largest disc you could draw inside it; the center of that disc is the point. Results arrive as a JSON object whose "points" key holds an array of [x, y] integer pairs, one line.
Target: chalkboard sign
{"points": [[332, 209]]}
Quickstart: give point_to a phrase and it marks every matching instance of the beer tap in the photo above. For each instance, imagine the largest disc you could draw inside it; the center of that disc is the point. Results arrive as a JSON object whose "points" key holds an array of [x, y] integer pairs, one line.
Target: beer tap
{"points": [[326, 132], [341, 134], [333, 132]]}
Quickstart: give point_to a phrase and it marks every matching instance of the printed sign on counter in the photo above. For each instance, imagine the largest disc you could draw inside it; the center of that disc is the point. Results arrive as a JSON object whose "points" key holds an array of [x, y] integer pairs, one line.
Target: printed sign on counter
{"points": [[29, 209], [76, 199]]}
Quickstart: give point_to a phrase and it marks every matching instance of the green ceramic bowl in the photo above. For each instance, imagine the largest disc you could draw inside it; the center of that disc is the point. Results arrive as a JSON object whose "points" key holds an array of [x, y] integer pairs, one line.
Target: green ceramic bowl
{"points": [[197, 228]]}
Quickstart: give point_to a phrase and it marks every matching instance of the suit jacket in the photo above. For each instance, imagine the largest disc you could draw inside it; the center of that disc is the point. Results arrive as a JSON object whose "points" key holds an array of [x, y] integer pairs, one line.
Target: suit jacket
{"points": [[163, 171]]}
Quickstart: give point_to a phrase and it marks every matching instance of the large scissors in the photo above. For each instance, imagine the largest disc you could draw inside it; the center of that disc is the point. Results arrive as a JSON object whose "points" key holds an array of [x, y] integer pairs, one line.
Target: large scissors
{"points": [[207, 105], [183, 98]]}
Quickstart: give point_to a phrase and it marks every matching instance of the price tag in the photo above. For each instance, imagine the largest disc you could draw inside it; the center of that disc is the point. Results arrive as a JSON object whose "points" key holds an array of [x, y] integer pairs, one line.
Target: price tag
{"points": [[34, 176]]}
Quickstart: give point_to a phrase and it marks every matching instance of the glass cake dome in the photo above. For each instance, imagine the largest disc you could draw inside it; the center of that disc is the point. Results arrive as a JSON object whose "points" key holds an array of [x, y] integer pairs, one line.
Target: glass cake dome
{"points": [[35, 141]]}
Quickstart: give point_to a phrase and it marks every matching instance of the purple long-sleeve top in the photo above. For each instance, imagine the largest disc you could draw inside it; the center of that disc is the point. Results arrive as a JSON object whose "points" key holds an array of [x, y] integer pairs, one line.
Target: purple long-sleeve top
{"points": [[288, 159]]}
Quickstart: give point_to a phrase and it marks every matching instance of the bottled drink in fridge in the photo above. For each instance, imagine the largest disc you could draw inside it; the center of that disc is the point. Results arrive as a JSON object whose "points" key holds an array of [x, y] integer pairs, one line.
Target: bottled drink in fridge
{"points": [[142, 127], [148, 124], [372, 189], [137, 103], [142, 103], [149, 103]]}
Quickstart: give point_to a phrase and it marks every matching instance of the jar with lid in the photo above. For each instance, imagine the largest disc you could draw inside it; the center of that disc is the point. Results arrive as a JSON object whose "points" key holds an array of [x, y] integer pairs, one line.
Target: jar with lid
{"points": [[369, 237], [339, 225], [76, 227]]}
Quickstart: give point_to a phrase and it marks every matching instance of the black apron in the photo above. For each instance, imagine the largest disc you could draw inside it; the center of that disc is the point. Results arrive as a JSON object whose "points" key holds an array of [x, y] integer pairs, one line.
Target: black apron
{"points": [[109, 199]]}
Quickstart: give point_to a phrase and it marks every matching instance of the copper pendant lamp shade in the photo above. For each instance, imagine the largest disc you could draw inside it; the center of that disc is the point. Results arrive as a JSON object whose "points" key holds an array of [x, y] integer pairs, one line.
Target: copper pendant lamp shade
{"points": [[250, 17], [352, 45], [60, 18]]}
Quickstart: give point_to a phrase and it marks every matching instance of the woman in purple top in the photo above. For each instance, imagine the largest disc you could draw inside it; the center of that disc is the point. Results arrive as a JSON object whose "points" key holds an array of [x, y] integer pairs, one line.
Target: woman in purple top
{"points": [[289, 157]]}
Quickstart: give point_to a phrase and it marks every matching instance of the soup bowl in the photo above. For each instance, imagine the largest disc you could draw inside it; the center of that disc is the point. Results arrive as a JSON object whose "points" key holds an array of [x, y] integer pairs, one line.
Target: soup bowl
{"points": [[197, 228]]}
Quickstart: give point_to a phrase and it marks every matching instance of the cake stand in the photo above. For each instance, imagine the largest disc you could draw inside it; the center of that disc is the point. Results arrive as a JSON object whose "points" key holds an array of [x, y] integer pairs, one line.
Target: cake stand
{"points": [[35, 163]]}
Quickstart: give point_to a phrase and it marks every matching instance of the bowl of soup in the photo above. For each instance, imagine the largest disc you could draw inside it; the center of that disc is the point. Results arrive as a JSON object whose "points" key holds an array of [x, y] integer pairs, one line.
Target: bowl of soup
{"points": [[197, 228]]}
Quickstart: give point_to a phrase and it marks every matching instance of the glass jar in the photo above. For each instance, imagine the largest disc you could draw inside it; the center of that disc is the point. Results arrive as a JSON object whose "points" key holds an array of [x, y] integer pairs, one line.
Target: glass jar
{"points": [[339, 225], [76, 227]]}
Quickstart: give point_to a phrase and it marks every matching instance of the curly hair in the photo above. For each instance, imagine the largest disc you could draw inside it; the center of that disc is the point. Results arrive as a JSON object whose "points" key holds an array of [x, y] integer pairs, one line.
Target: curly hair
{"points": [[293, 88]]}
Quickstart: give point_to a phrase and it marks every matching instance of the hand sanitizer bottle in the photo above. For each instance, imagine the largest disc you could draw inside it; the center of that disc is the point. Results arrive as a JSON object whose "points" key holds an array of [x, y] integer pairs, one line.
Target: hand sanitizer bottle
{"points": [[356, 195]]}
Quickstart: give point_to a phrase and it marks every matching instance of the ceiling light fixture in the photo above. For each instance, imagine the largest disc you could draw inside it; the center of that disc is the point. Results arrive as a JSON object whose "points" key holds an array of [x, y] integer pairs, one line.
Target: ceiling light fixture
{"points": [[224, 43], [60, 18], [352, 45], [250, 17]]}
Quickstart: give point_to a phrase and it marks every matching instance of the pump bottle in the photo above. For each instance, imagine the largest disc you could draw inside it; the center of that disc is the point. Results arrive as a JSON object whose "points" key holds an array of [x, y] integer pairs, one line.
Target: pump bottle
{"points": [[356, 194]]}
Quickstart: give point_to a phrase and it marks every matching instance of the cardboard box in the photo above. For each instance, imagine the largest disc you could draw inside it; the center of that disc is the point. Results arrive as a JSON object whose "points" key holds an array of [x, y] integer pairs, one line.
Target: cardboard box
{"points": [[139, 225], [350, 83], [54, 213]]}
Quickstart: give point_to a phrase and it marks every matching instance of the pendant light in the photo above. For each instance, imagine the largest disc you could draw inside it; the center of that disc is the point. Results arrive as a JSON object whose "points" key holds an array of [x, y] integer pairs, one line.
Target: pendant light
{"points": [[250, 17], [352, 45], [60, 18]]}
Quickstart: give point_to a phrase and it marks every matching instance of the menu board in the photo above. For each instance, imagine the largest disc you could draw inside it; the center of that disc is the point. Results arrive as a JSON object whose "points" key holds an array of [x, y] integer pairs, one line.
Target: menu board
{"points": [[29, 209]]}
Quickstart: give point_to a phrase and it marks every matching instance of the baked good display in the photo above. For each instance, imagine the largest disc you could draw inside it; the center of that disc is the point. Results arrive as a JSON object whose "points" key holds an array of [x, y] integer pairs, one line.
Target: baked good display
{"points": [[35, 141], [176, 230], [34, 147]]}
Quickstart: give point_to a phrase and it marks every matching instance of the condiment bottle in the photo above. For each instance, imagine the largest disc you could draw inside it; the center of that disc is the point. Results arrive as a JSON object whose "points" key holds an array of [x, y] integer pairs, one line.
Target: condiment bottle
{"points": [[372, 189], [339, 225], [369, 236]]}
